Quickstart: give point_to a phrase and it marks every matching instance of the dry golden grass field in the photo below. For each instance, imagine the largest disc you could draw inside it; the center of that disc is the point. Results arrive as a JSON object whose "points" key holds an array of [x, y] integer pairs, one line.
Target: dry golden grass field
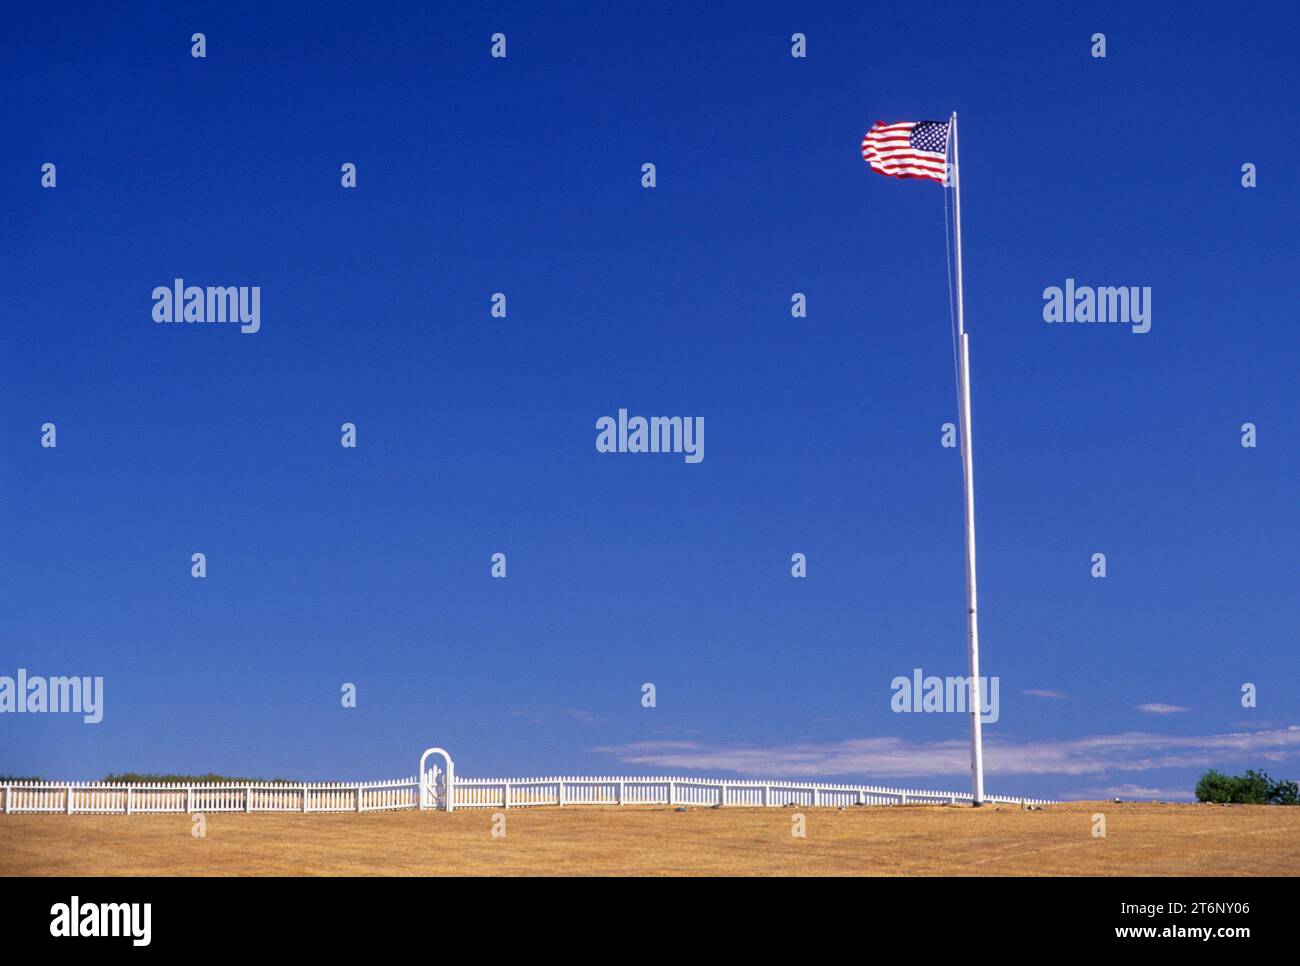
{"points": [[1141, 839]]}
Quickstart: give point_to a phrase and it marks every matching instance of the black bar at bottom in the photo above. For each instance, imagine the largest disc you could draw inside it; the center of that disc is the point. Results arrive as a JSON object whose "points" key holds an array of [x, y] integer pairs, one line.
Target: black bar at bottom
{"points": [[986, 917]]}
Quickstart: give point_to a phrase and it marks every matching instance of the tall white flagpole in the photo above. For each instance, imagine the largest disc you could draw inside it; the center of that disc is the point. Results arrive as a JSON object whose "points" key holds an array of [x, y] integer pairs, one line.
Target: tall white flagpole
{"points": [[973, 704]]}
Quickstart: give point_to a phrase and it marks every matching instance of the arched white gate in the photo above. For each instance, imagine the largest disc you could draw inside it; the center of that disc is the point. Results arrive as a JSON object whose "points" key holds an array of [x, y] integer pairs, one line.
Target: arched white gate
{"points": [[437, 790]]}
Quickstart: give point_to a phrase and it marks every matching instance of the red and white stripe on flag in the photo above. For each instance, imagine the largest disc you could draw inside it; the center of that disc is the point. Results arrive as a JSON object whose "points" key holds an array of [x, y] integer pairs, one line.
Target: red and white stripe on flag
{"points": [[908, 149]]}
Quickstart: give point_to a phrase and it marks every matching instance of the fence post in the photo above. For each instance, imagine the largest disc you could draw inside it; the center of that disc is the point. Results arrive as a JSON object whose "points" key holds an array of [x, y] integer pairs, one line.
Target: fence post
{"points": [[722, 794], [816, 796], [304, 797], [69, 799], [189, 799], [560, 793], [620, 794], [9, 799], [128, 799], [358, 799], [671, 792], [767, 794], [248, 798]]}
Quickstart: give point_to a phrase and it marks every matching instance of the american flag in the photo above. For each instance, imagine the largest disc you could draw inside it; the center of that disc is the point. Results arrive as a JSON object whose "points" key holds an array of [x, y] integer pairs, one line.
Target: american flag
{"points": [[908, 149]]}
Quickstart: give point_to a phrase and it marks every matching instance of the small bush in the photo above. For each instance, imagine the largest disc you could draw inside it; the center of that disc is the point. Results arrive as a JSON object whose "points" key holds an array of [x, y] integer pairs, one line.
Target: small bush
{"points": [[1252, 788]]}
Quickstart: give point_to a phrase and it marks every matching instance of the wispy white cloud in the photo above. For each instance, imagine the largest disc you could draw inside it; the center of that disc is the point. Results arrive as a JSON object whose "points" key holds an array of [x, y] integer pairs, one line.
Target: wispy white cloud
{"points": [[539, 715], [1134, 792], [881, 758], [1043, 693], [1156, 707]]}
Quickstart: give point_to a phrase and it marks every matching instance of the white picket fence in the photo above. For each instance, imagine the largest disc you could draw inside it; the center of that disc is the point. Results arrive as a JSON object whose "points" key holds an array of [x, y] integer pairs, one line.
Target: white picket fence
{"points": [[78, 798], [698, 792]]}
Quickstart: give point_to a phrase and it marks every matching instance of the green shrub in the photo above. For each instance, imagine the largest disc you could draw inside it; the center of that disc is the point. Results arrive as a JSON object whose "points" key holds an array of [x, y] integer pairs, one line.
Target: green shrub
{"points": [[1252, 788]]}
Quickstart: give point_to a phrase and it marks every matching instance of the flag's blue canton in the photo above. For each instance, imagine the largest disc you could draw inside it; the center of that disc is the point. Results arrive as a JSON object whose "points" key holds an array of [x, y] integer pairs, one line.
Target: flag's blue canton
{"points": [[930, 136]]}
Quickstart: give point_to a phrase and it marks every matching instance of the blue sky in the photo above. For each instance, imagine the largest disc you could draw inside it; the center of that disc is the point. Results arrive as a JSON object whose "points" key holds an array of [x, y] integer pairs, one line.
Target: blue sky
{"points": [[476, 435]]}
